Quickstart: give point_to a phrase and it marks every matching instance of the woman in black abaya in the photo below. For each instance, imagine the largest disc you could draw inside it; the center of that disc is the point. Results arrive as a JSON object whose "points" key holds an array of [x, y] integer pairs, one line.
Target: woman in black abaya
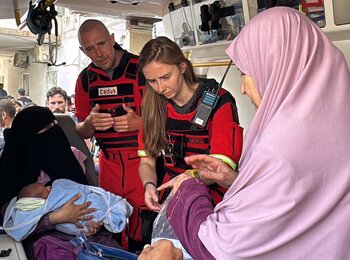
{"points": [[29, 149], [36, 149]]}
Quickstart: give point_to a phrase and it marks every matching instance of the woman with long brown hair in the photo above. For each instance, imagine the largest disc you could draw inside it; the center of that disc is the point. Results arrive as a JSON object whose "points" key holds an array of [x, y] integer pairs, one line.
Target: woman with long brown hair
{"points": [[169, 130]]}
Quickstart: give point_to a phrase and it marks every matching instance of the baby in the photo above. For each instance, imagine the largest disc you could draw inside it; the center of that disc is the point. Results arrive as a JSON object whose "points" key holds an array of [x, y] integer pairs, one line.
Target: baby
{"points": [[35, 200]]}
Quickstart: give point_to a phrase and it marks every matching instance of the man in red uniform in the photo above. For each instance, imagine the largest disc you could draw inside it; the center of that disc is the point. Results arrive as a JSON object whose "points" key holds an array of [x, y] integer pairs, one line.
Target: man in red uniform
{"points": [[108, 101]]}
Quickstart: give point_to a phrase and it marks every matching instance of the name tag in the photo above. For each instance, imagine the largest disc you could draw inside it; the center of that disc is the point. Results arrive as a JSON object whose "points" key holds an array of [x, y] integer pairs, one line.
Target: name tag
{"points": [[108, 91], [196, 140]]}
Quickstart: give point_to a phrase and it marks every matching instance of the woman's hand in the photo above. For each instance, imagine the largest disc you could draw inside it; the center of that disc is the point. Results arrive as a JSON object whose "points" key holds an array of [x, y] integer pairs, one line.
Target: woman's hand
{"points": [[213, 169], [175, 182], [71, 213], [92, 227], [152, 197]]}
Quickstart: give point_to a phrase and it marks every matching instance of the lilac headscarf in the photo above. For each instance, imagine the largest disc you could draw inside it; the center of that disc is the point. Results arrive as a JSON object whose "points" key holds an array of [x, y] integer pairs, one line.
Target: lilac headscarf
{"points": [[291, 198]]}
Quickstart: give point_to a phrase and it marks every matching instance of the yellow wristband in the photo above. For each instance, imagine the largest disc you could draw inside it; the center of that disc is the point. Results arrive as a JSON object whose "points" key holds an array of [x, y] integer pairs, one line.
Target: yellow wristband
{"points": [[193, 173]]}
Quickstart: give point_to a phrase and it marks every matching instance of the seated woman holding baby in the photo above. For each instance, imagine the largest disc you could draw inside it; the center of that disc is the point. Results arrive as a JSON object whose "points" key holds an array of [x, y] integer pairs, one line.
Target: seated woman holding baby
{"points": [[37, 150]]}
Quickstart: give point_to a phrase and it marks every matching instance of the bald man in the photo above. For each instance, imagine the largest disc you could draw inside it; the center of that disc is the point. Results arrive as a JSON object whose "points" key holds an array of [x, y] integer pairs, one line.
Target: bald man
{"points": [[108, 97]]}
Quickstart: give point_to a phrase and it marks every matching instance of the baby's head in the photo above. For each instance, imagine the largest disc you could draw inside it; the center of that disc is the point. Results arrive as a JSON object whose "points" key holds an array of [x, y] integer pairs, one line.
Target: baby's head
{"points": [[34, 190], [32, 196]]}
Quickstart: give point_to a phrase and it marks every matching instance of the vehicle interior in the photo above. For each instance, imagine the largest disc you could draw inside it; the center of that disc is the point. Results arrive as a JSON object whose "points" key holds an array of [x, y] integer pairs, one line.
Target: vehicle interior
{"points": [[31, 52], [36, 42]]}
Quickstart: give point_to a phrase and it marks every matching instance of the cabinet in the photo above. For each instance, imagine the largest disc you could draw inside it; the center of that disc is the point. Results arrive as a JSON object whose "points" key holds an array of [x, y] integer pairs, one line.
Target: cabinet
{"points": [[195, 22], [206, 27], [333, 17]]}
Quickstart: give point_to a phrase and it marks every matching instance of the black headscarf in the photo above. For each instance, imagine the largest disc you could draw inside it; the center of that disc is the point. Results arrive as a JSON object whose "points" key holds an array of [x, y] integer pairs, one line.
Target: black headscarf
{"points": [[26, 153]]}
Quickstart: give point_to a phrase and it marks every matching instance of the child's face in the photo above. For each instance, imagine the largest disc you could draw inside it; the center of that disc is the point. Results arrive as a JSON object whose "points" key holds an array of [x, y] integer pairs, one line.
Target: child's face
{"points": [[42, 191]]}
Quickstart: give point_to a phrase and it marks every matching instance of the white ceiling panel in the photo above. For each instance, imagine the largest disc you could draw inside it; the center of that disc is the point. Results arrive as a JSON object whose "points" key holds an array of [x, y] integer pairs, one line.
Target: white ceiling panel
{"points": [[12, 39], [120, 9]]}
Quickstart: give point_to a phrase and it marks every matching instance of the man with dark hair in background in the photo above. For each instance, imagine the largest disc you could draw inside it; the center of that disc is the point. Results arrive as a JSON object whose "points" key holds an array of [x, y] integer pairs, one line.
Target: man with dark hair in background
{"points": [[56, 100], [72, 103], [22, 97], [7, 114], [69, 103], [3, 92]]}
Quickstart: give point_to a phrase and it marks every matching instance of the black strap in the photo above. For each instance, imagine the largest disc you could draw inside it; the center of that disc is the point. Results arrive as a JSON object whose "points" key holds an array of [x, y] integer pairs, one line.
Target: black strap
{"points": [[209, 84], [85, 79], [131, 70]]}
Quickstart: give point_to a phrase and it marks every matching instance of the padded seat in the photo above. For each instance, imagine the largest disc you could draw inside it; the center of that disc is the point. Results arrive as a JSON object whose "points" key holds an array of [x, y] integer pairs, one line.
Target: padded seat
{"points": [[68, 126]]}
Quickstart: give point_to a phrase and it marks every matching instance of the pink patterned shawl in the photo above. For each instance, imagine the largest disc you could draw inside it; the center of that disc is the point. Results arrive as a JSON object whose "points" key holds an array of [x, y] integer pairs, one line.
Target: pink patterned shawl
{"points": [[291, 199]]}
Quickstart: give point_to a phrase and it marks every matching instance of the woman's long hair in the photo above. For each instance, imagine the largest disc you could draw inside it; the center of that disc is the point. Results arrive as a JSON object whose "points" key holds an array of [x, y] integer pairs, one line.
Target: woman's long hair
{"points": [[154, 111]]}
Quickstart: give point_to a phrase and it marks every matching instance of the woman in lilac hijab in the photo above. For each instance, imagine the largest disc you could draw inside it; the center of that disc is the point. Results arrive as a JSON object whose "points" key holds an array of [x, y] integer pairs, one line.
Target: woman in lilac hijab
{"points": [[291, 197]]}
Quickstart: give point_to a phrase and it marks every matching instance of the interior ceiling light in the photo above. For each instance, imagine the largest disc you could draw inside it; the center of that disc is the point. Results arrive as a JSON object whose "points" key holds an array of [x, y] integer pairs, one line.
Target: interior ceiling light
{"points": [[130, 2]]}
